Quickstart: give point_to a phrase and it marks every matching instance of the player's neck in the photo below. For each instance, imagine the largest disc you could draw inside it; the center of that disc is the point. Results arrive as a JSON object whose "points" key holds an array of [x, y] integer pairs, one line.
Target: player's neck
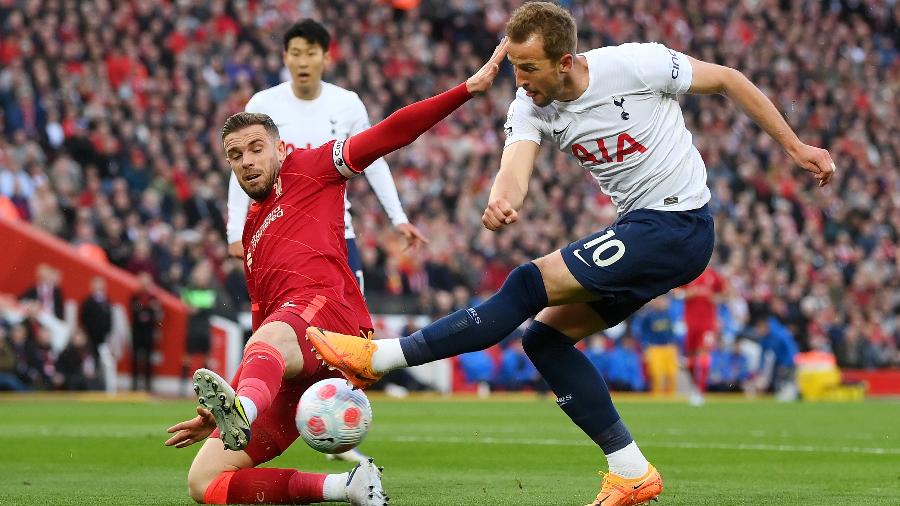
{"points": [[307, 92], [577, 81]]}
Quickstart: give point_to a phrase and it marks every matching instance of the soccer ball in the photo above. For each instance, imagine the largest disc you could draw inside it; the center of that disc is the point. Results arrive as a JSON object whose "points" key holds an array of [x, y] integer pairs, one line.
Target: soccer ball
{"points": [[332, 417]]}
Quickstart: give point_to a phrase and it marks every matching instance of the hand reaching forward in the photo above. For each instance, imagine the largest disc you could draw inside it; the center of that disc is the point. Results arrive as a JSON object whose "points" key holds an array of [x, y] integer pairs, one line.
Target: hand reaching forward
{"points": [[192, 431], [482, 80]]}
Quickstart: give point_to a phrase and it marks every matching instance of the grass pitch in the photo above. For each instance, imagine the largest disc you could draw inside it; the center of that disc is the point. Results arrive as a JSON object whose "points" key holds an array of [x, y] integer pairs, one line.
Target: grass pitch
{"points": [[519, 451]]}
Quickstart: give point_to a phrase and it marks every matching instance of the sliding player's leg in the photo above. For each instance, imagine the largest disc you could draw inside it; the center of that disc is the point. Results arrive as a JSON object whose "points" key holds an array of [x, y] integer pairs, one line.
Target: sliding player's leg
{"points": [[220, 476], [227, 480], [271, 355]]}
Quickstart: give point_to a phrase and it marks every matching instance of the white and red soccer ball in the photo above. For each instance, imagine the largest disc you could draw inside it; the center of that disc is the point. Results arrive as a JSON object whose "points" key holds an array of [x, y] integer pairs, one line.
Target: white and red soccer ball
{"points": [[332, 417]]}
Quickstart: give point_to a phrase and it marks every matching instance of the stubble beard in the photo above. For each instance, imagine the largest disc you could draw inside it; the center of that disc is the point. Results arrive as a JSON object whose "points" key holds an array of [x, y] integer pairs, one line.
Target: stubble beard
{"points": [[260, 194]]}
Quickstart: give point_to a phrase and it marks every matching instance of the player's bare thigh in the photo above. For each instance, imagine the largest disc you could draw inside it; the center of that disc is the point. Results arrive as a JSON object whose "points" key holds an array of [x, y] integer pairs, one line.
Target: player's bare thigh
{"points": [[282, 337], [561, 285], [574, 320], [211, 461]]}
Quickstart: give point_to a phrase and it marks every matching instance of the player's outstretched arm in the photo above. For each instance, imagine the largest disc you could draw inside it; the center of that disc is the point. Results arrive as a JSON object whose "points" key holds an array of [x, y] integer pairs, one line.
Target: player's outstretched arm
{"points": [[711, 78], [407, 124]]}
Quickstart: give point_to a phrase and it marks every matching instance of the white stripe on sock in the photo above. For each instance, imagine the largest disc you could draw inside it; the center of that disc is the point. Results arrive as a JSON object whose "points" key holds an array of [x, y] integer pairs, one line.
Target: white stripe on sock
{"points": [[628, 462], [388, 356]]}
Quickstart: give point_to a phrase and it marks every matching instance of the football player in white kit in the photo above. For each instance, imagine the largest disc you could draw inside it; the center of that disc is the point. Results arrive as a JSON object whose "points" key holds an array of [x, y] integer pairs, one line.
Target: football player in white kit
{"points": [[615, 110], [310, 112]]}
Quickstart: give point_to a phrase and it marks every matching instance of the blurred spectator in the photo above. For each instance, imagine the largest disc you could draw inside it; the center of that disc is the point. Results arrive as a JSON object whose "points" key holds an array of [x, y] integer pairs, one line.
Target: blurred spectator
{"points": [[96, 315], [46, 291], [621, 366], [76, 366], [478, 367], [200, 298], [40, 358], [516, 371], [146, 316], [9, 370], [660, 346], [728, 369], [776, 370]]}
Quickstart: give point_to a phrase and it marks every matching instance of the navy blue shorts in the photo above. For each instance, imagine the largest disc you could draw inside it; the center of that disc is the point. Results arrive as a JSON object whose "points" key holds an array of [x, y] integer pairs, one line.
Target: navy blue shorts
{"points": [[355, 263], [643, 255]]}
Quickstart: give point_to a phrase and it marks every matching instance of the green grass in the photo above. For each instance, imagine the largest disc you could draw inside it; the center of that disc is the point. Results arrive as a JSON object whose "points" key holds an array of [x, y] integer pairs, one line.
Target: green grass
{"points": [[496, 452]]}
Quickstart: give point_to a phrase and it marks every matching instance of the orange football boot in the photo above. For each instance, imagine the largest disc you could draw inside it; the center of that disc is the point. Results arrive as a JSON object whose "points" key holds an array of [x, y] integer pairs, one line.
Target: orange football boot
{"points": [[352, 355], [618, 491]]}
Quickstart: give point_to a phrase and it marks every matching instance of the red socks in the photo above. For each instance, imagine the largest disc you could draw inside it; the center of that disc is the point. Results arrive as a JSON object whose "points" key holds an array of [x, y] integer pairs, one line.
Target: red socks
{"points": [[266, 486], [261, 372]]}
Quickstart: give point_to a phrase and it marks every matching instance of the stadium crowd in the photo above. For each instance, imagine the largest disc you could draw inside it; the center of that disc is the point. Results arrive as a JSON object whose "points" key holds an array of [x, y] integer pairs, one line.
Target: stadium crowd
{"points": [[110, 118]]}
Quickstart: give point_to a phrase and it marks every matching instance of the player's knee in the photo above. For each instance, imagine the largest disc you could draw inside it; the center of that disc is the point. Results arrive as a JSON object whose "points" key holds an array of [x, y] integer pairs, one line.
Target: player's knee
{"points": [[282, 337], [201, 475], [525, 286], [538, 336], [198, 482]]}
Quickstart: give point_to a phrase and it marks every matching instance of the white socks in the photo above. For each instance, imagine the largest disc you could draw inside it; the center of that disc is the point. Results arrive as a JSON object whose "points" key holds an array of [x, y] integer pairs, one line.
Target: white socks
{"points": [[388, 356], [249, 408], [335, 487], [628, 462]]}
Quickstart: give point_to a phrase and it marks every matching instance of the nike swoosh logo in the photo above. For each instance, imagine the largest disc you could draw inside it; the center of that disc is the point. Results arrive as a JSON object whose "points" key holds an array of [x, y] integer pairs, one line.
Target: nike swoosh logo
{"points": [[560, 132], [579, 257], [639, 485], [329, 439]]}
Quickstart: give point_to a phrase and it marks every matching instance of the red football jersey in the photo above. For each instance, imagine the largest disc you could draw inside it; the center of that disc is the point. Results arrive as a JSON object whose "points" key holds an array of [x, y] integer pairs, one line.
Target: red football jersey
{"points": [[701, 307], [295, 253]]}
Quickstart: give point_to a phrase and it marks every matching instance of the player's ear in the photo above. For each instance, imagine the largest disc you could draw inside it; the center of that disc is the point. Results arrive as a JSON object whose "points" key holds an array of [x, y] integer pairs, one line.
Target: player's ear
{"points": [[566, 62], [326, 57], [280, 150]]}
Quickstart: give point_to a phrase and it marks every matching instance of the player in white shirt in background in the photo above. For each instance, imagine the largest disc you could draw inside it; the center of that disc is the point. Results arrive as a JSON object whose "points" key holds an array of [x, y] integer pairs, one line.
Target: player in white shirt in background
{"points": [[310, 112], [615, 110]]}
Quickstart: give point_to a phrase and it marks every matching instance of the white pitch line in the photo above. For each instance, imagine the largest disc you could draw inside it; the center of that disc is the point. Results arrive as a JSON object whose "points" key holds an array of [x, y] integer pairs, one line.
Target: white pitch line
{"points": [[645, 443]]}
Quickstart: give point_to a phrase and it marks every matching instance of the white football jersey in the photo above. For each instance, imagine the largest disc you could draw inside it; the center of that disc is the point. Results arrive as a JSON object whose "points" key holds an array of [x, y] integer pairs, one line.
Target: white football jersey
{"points": [[626, 128], [335, 114]]}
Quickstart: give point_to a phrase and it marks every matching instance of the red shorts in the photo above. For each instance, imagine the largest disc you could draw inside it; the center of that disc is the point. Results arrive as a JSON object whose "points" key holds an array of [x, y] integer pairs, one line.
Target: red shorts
{"points": [[698, 338], [275, 430]]}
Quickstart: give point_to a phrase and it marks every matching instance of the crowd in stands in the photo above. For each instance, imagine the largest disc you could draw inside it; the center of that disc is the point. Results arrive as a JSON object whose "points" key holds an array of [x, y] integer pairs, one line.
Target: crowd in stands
{"points": [[111, 112]]}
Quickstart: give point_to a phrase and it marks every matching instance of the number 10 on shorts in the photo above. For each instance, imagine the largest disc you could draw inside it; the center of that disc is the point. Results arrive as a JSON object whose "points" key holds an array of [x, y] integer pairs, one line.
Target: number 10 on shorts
{"points": [[602, 244]]}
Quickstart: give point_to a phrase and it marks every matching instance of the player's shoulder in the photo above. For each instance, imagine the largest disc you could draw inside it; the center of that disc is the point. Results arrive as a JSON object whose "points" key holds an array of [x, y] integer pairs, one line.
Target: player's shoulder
{"points": [[299, 160], [334, 91], [336, 95], [268, 99], [625, 51], [523, 106]]}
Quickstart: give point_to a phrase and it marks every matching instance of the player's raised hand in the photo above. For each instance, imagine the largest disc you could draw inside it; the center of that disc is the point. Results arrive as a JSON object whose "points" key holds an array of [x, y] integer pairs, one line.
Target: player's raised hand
{"points": [[484, 78], [192, 431], [413, 236], [815, 160], [499, 213]]}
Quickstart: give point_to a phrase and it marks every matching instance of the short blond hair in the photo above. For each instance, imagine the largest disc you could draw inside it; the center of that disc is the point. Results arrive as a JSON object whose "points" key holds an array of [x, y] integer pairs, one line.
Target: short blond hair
{"points": [[552, 23]]}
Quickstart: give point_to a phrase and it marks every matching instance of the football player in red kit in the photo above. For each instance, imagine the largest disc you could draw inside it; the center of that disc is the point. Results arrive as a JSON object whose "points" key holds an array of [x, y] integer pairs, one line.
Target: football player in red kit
{"points": [[297, 276], [701, 321]]}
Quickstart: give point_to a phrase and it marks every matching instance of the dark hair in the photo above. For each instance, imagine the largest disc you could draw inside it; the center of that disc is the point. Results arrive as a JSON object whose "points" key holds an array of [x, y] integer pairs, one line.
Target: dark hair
{"points": [[243, 120], [310, 30], [552, 23]]}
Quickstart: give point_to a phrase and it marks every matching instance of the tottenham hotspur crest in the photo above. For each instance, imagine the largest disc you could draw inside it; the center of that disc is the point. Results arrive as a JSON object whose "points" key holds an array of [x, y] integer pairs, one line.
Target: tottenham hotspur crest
{"points": [[621, 103]]}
